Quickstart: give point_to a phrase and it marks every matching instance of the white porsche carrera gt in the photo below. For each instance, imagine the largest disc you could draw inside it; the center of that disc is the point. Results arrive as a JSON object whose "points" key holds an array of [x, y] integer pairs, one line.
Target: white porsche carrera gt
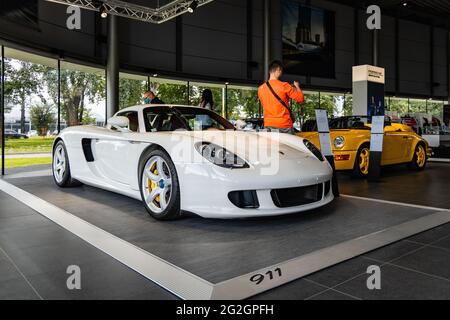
{"points": [[186, 159]]}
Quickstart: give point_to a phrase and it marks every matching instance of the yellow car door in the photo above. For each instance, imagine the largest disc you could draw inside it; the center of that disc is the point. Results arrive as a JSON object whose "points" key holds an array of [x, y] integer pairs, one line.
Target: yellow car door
{"points": [[395, 146]]}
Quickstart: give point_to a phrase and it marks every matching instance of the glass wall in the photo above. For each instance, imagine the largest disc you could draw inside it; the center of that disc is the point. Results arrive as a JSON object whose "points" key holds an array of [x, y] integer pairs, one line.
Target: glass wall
{"points": [[399, 105], [30, 108], [348, 105], [83, 92], [242, 103], [170, 91], [131, 89], [2, 159], [435, 108], [196, 90], [417, 105], [37, 105]]}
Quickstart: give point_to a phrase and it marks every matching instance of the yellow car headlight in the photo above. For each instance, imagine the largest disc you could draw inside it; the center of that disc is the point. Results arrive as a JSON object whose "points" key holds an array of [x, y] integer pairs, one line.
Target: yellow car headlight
{"points": [[339, 142]]}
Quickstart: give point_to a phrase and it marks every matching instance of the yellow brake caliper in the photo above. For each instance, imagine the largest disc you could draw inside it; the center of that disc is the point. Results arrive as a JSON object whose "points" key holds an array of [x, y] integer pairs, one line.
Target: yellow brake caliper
{"points": [[152, 185]]}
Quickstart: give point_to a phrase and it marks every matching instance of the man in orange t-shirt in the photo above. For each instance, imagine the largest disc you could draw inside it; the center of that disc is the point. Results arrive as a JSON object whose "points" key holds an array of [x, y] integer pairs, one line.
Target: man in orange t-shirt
{"points": [[277, 114]]}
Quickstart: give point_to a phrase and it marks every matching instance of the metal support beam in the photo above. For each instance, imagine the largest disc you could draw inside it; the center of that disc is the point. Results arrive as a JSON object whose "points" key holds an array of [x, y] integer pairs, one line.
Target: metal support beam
{"points": [[226, 101], [59, 97], [188, 93], [249, 18], [2, 108], [133, 11], [266, 38], [112, 69], [179, 44], [397, 56], [356, 36], [375, 47], [448, 65], [431, 61]]}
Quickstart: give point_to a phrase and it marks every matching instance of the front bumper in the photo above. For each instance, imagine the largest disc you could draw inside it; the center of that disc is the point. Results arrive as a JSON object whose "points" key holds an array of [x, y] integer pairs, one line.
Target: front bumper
{"points": [[205, 188], [344, 160]]}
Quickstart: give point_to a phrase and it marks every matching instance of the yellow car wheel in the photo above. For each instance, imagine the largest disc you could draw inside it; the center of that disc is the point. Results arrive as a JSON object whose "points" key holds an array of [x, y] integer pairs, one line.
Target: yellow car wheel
{"points": [[361, 166], [419, 160]]}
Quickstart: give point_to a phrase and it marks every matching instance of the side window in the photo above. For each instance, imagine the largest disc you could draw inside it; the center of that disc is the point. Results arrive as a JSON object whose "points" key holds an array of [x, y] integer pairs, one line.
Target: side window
{"points": [[133, 118]]}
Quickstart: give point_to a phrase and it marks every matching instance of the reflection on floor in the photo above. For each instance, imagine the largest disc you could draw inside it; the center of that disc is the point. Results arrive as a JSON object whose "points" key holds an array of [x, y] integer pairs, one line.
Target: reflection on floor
{"points": [[34, 252]]}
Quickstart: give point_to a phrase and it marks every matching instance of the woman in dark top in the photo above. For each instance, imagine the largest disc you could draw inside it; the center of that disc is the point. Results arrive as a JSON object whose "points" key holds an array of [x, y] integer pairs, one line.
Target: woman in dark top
{"points": [[207, 100]]}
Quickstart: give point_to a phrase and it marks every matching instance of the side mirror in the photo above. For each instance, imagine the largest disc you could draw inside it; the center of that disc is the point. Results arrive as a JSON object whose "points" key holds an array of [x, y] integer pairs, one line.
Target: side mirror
{"points": [[119, 123]]}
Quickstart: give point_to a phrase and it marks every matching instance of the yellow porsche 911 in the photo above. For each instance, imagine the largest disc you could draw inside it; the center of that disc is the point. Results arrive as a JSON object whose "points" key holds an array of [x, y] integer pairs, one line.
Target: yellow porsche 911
{"points": [[350, 141]]}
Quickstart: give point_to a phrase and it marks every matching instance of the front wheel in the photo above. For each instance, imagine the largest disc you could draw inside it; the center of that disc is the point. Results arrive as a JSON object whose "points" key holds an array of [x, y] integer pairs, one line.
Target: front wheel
{"points": [[61, 168], [419, 160], [361, 166], [160, 190]]}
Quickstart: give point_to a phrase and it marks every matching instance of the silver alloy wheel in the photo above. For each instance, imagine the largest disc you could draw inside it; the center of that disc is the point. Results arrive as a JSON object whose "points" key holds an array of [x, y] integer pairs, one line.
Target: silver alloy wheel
{"points": [[157, 184], [59, 163]]}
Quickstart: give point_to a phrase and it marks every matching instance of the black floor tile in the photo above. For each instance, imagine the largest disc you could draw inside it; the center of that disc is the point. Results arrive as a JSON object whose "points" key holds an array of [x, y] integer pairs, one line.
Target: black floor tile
{"points": [[55, 257], [392, 251], [444, 243], [333, 295], [396, 284], [296, 290], [12, 240], [341, 272], [23, 222], [104, 279], [432, 235], [429, 260], [429, 187], [10, 207], [17, 289], [8, 271]]}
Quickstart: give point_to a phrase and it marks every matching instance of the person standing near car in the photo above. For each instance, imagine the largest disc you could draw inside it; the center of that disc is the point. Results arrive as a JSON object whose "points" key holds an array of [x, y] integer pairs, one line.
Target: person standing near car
{"points": [[151, 98], [207, 100], [274, 96]]}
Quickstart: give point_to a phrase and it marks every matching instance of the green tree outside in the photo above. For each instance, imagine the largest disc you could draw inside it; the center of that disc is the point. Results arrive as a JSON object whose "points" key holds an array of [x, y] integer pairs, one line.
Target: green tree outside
{"points": [[41, 116], [131, 92]]}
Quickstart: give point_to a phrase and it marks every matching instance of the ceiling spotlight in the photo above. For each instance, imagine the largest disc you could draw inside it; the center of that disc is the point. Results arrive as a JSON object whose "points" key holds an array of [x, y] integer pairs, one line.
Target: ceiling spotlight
{"points": [[405, 4], [193, 6], [155, 75], [103, 11]]}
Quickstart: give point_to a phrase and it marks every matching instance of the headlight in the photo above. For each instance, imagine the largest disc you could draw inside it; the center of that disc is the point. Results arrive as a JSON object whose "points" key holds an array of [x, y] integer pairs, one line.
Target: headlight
{"points": [[311, 147], [339, 142], [220, 156]]}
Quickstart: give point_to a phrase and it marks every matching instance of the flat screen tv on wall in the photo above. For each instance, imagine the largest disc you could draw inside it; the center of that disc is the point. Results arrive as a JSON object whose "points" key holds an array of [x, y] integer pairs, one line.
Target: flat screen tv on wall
{"points": [[308, 40], [24, 12]]}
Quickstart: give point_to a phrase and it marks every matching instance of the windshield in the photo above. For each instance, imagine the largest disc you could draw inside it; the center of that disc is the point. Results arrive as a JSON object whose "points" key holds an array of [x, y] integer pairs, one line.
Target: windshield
{"points": [[350, 123], [158, 119]]}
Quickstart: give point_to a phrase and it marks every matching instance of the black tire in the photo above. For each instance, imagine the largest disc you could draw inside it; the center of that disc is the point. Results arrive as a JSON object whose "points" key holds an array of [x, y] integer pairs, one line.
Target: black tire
{"points": [[419, 160], [172, 210], [358, 172], [66, 179]]}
